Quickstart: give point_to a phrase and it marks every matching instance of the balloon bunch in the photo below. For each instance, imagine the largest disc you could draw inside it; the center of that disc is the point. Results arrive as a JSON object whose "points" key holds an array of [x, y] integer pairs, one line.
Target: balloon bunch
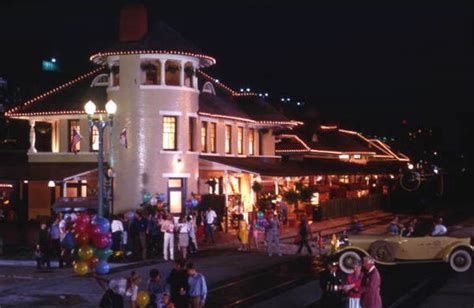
{"points": [[191, 203], [262, 223], [91, 242]]}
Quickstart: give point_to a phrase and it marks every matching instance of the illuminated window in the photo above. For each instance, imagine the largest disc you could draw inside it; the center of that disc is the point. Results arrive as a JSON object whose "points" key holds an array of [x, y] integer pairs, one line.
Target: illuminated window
{"points": [[212, 137], [172, 73], [192, 132], [251, 141], [74, 126], [204, 136], [94, 140], [228, 139], [169, 133], [240, 140], [151, 72], [188, 75]]}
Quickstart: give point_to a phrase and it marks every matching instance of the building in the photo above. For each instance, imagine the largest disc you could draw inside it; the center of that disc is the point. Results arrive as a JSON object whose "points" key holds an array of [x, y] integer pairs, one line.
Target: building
{"points": [[187, 133]]}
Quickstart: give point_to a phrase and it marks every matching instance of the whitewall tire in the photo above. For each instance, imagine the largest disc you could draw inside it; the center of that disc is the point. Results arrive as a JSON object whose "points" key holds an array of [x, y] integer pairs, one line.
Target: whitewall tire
{"points": [[460, 260], [346, 261]]}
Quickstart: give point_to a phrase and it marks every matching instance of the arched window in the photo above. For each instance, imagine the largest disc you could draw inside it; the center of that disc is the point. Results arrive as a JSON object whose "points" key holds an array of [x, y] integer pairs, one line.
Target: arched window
{"points": [[151, 72], [189, 75], [172, 72], [115, 71], [208, 88], [101, 80]]}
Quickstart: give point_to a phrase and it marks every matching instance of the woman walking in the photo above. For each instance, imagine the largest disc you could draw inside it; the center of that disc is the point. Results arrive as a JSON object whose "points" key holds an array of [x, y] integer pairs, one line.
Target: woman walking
{"points": [[243, 233], [183, 237]]}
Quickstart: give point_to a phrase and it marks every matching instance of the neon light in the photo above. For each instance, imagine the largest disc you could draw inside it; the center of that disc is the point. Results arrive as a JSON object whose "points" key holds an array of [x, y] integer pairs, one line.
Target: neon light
{"points": [[328, 126]]}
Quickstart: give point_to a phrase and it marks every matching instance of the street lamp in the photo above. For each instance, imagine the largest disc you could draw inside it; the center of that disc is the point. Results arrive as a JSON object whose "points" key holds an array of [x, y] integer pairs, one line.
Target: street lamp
{"points": [[100, 124]]}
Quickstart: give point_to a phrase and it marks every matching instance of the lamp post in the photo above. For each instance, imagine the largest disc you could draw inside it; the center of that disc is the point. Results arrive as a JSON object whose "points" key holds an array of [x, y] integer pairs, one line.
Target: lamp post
{"points": [[100, 124]]}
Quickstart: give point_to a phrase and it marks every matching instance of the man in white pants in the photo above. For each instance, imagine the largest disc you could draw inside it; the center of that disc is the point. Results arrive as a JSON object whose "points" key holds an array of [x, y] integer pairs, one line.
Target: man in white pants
{"points": [[167, 227]]}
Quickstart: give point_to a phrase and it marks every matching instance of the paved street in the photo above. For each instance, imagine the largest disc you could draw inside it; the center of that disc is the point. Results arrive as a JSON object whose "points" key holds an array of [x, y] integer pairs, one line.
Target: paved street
{"points": [[245, 280]]}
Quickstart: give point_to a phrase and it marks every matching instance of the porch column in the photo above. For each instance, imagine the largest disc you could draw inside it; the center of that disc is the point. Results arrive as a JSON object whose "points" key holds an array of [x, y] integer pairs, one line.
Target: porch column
{"points": [[64, 189], [226, 193], [195, 79], [32, 148], [163, 74], [181, 74], [277, 189]]}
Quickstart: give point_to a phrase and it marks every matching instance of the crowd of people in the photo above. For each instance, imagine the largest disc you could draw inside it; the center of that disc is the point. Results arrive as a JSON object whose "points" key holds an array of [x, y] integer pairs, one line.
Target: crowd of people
{"points": [[356, 290], [183, 287]]}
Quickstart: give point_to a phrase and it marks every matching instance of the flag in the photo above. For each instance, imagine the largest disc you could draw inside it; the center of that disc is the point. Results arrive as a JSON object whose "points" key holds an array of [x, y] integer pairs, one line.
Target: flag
{"points": [[76, 138], [123, 138]]}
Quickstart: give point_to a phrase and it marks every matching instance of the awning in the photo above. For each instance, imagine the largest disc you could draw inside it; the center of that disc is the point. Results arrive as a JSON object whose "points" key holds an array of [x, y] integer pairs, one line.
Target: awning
{"points": [[44, 171], [304, 167], [75, 204]]}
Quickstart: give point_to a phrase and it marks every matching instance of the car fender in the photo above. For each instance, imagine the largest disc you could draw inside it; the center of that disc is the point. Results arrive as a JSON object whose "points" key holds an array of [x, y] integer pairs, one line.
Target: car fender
{"points": [[358, 249], [446, 252]]}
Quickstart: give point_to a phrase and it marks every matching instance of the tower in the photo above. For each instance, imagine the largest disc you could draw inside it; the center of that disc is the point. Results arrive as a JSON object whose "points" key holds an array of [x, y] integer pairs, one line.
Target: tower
{"points": [[153, 82]]}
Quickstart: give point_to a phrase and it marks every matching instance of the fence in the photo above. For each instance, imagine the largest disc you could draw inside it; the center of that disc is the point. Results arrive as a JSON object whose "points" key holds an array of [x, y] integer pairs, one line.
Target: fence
{"points": [[347, 207]]}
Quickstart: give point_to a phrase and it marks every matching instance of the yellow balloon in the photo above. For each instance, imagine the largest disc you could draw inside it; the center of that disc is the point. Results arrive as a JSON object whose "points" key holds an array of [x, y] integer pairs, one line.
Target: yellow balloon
{"points": [[85, 252], [143, 298], [81, 268]]}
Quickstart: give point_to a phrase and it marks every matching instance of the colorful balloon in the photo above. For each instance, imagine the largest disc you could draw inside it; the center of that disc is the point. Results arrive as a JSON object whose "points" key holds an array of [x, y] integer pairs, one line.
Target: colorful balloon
{"points": [[75, 254], [146, 197], [102, 267], [82, 239], [83, 219], [103, 254], [94, 230], [153, 201], [93, 261], [101, 240], [80, 227], [103, 224], [85, 252], [81, 268], [143, 298], [260, 215]]}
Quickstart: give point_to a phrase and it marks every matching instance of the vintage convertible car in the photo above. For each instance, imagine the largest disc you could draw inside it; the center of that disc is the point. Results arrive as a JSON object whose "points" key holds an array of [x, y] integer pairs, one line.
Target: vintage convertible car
{"points": [[395, 249]]}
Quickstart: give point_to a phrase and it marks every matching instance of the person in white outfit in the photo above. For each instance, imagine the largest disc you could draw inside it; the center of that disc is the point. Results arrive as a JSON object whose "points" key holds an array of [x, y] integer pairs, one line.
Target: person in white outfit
{"points": [[167, 227], [439, 228]]}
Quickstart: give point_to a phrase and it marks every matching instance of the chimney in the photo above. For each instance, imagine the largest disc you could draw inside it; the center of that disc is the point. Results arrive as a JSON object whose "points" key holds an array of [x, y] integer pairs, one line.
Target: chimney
{"points": [[133, 23]]}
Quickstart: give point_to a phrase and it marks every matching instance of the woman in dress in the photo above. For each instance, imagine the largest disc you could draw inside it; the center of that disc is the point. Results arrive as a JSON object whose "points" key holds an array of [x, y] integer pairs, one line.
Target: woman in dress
{"points": [[354, 282], [243, 233], [132, 289], [183, 237]]}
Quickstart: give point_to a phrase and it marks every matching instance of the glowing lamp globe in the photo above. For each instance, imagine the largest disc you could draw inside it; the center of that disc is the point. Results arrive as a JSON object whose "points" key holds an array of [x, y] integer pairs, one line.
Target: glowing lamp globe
{"points": [[111, 107], [89, 107]]}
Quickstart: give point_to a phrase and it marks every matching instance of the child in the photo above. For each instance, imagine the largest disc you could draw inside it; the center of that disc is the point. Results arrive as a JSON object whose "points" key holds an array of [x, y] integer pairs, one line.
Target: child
{"points": [[166, 300], [155, 289]]}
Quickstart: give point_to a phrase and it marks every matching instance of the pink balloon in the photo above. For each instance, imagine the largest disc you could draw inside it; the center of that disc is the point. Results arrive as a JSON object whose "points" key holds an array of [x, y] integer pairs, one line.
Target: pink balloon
{"points": [[94, 230], [80, 228], [101, 240], [84, 218]]}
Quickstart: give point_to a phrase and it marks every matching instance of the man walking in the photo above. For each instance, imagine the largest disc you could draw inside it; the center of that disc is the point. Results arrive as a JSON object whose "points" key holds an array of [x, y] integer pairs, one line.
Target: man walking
{"points": [[55, 234], [209, 222], [370, 288], [141, 225], [273, 235], [197, 285]]}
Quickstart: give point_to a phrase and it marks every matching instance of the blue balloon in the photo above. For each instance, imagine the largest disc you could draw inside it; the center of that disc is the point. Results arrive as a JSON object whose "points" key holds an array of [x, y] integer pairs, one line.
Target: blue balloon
{"points": [[146, 197], [161, 197], [102, 267], [194, 202], [68, 241], [103, 224]]}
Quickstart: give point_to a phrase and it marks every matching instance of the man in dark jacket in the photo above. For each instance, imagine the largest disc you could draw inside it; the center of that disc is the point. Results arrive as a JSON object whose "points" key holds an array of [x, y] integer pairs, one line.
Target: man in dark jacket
{"points": [[331, 282], [178, 284], [44, 242]]}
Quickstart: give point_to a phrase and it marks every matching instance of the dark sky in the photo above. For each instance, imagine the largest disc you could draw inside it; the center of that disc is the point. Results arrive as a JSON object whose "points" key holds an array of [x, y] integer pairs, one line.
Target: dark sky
{"points": [[357, 63]]}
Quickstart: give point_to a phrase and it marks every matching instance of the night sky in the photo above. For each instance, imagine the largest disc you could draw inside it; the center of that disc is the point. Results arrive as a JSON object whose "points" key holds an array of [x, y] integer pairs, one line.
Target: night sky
{"points": [[364, 66]]}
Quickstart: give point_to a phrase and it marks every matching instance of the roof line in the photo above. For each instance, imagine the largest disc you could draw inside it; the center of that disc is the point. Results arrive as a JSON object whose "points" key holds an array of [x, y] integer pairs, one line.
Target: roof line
{"points": [[223, 86], [390, 151], [13, 111]]}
